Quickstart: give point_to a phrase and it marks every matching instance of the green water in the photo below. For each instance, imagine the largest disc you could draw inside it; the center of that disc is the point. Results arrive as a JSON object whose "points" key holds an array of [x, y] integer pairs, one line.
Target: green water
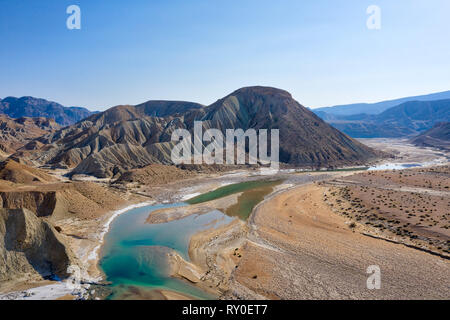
{"points": [[248, 200], [232, 189], [135, 253]]}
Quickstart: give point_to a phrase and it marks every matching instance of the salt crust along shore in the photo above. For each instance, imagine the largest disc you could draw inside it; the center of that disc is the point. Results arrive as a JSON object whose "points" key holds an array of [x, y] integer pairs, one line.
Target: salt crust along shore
{"points": [[65, 288], [94, 254]]}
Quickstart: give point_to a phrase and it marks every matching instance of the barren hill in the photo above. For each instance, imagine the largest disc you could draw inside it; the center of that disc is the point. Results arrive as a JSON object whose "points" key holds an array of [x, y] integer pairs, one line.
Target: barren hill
{"points": [[15, 133], [436, 137], [154, 174], [22, 186], [128, 137], [305, 140], [19, 173]]}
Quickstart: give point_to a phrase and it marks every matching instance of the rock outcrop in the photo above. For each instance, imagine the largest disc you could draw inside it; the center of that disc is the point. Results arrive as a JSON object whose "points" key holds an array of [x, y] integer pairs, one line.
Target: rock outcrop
{"points": [[30, 248]]}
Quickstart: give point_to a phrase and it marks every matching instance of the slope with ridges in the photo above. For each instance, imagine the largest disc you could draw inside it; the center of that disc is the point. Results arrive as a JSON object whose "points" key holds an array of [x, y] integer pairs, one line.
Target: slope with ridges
{"points": [[15, 133], [127, 137], [19, 173], [30, 248], [436, 137]]}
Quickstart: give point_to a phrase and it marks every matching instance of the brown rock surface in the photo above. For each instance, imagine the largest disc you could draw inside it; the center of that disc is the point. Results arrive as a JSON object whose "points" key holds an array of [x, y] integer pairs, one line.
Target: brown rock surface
{"points": [[154, 174], [13, 171], [30, 248], [15, 133]]}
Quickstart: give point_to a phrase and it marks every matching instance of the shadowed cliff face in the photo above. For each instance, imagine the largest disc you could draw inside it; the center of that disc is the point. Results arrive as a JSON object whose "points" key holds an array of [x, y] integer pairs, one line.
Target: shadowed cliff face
{"points": [[127, 137], [43, 203], [30, 248]]}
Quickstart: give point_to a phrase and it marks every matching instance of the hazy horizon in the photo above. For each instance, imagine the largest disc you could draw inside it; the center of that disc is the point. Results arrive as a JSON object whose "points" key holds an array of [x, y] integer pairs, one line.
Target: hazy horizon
{"points": [[317, 107], [129, 53]]}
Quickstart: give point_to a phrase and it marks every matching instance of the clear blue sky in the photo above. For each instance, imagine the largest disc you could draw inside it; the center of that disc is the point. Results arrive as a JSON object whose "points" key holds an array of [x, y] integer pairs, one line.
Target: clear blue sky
{"points": [[128, 52]]}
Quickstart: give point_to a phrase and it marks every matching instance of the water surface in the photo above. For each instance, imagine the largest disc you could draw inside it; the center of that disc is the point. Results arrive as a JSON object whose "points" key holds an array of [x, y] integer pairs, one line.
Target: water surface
{"points": [[232, 189], [396, 166], [249, 199], [135, 253]]}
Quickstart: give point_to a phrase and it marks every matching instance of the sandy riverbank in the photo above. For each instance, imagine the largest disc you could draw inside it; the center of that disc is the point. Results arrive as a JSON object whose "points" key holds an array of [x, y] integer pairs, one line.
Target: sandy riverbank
{"points": [[297, 248], [215, 253]]}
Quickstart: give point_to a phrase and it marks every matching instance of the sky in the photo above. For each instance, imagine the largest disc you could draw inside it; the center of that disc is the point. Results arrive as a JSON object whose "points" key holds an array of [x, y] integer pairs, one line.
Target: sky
{"points": [[128, 52]]}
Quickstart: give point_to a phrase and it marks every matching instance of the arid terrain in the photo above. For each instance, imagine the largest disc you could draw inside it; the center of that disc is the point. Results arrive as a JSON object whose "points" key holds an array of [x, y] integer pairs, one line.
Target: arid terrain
{"points": [[298, 244], [323, 257], [412, 205], [220, 150], [312, 237]]}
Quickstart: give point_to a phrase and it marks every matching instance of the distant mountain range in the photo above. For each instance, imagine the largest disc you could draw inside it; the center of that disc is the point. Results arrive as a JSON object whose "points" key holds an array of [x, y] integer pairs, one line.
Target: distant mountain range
{"points": [[128, 137], [376, 108], [436, 137], [406, 119], [34, 107]]}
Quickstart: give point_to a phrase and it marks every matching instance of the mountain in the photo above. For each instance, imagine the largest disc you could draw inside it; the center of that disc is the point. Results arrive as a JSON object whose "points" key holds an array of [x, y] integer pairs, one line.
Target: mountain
{"points": [[15, 133], [34, 107], [406, 119], [436, 137], [152, 108], [305, 140], [376, 108], [128, 137]]}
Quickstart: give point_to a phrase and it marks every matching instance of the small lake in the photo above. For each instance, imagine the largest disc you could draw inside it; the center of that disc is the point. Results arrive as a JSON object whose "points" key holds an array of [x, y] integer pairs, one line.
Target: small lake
{"points": [[253, 192], [134, 254]]}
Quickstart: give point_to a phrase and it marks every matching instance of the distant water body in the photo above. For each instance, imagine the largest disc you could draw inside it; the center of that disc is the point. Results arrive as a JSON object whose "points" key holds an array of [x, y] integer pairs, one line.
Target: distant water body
{"points": [[395, 166]]}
